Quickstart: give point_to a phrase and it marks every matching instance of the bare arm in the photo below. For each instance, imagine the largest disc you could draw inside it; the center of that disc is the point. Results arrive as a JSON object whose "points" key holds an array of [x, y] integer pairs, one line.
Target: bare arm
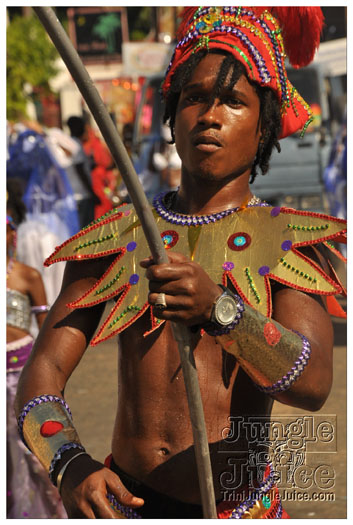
{"points": [[37, 294], [63, 338], [190, 295], [301, 312]]}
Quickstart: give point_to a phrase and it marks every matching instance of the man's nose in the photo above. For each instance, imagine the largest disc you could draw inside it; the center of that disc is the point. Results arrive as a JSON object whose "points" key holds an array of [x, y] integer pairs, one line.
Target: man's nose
{"points": [[210, 114]]}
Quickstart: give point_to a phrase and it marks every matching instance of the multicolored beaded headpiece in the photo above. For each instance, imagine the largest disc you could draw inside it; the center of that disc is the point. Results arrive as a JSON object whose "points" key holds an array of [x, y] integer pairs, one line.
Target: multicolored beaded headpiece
{"points": [[261, 43]]}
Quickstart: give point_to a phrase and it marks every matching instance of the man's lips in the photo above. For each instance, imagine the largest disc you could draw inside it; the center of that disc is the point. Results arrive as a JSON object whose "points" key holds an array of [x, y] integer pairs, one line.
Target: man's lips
{"points": [[207, 143]]}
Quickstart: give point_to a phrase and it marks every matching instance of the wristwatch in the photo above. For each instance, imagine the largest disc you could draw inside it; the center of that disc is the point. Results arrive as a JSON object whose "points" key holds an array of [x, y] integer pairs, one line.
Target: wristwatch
{"points": [[226, 312]]}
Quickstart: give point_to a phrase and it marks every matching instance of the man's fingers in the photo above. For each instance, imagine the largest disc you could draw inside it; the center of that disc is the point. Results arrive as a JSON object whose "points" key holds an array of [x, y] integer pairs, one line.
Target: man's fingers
{"points": [[174, 257], [102, 508], [120, 492], [165, 272], [145, 263]]}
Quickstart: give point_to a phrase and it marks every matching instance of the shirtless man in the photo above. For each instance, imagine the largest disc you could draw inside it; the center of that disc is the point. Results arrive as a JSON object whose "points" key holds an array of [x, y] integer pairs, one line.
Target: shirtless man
{"points": [[219, 123]]}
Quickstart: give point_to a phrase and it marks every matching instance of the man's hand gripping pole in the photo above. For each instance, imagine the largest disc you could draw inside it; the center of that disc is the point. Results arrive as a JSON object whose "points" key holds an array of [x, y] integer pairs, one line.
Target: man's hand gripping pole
{"points": [[181, 333]]}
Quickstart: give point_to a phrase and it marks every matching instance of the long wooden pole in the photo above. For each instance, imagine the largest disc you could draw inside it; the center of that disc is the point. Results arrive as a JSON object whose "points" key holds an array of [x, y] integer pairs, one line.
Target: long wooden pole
{"points": [[143, 209]]}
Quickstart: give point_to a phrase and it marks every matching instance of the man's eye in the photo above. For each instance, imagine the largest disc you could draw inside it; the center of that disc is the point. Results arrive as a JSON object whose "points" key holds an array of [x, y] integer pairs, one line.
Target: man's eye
{"points": [[233, 101], [194, 98]]}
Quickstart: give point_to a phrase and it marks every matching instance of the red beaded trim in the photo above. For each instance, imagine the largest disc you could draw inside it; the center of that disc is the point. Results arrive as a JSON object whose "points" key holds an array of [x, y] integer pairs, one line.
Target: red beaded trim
{"points": [[268, 295], [154, 324], [333, 236], [239, 291], [82, 233], [337, 279], [335, 251], [301, 289], [102, 297], [320, 271], [98, 339], [314, 214]]}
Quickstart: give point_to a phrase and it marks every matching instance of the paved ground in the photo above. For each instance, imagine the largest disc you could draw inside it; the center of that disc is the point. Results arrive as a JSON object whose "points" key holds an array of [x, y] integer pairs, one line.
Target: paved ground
{"points": [[91, 394]]}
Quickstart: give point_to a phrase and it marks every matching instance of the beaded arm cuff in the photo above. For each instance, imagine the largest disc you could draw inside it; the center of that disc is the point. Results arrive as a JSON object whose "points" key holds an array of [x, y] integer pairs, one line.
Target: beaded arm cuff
{"points": [[286, 381], [266, 351], [34, 402], [45, 426]]}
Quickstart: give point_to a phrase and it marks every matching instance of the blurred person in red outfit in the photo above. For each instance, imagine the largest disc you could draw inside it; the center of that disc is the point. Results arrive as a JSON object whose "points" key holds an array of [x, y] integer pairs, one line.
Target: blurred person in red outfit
{"points": [[103, 174]]}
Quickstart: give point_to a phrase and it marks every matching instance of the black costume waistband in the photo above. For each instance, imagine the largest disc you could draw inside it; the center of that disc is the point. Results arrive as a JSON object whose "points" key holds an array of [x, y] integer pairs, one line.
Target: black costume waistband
{"points": [[156, 505]]}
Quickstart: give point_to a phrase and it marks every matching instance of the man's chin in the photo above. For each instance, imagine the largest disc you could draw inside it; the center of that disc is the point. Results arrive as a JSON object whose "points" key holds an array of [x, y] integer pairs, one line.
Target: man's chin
{"points": [[206, 175]]}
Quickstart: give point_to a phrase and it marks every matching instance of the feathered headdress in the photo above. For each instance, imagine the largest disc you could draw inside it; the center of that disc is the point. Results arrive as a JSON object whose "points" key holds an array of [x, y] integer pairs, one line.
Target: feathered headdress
{"points": [[260, 38]]}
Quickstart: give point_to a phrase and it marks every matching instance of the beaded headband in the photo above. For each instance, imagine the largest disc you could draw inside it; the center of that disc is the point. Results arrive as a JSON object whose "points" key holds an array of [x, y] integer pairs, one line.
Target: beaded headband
{"points": [[260, 42]]}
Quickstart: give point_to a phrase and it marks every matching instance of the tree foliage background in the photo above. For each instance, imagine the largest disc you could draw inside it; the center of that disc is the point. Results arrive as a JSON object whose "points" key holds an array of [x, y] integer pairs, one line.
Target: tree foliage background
{"points": [[30, 63]]}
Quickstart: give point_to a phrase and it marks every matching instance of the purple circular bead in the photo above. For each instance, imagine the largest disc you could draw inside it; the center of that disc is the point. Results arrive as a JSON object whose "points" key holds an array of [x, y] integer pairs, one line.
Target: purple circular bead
{"points": [[264, 270], [131, 246], [275, 211], [228, 266], [286, 245], [134, 278]]}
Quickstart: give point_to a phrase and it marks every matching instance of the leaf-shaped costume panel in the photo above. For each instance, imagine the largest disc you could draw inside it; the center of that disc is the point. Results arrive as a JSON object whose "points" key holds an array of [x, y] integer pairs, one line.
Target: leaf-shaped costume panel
{"points": [[248, 247]]}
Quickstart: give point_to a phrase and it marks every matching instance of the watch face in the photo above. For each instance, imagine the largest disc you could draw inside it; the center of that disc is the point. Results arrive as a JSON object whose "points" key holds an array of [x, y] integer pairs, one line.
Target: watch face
{"points": [[225, 310]]}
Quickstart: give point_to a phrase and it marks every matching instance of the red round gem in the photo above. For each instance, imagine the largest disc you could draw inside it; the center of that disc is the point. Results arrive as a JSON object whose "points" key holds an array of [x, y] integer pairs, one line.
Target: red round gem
{"points": [[50, 428], [170, 238], [239, 241], [272, 334]]}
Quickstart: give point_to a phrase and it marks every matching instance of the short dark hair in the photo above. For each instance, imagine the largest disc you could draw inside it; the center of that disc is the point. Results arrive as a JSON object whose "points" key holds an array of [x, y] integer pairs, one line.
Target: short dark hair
{"points": [[76, 125], [270, 111], [15, 206]]}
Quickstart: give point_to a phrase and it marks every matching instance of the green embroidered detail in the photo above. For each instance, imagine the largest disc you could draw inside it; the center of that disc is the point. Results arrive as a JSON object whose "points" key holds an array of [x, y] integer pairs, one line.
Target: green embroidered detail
{"points": [[93, 241], [124, 312], [309, 121], [251, 284], [114, 280], [197, 12], [308, 228], [203, 42], [296, 270], [97, 221], [293, 91]]}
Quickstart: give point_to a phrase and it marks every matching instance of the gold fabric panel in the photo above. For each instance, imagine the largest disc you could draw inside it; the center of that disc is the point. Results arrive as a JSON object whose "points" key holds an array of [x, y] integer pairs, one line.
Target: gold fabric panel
{"points": [[247, 247]]}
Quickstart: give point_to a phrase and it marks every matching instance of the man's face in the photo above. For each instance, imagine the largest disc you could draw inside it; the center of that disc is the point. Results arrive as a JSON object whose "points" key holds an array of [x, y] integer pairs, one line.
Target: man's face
{"points": [[217, 141]]}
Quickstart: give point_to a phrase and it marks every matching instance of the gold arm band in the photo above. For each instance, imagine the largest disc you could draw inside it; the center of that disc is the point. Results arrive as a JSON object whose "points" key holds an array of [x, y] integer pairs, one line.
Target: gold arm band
{"points": [[272, 356], [44, 445]]}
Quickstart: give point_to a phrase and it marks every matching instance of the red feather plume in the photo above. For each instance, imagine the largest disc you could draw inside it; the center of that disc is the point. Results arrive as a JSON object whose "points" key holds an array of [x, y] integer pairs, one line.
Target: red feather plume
{"points": [[301, 30]]}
